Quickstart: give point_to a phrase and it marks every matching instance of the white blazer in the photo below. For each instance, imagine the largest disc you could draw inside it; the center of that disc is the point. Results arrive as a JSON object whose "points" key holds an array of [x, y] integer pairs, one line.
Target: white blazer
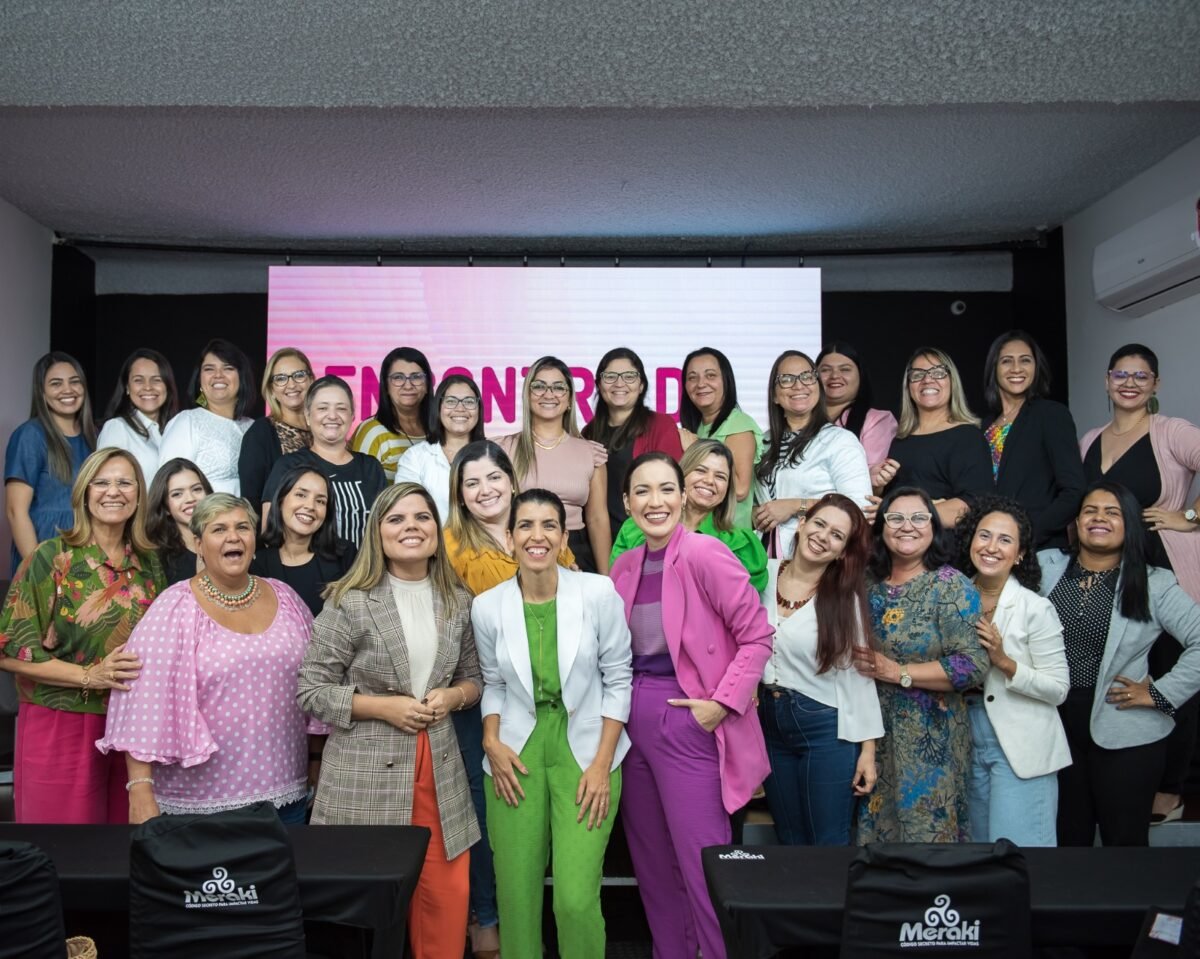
{"points": [[594, 662], [1023, 710]]}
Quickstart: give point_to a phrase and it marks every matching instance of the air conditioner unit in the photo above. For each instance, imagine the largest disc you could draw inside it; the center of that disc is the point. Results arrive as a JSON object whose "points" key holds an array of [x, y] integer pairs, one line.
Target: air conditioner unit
{"points": [[1151, 264]]}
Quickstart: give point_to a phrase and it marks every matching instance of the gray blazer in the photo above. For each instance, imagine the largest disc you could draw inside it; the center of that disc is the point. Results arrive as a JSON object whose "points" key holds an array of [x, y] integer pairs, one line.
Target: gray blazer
{"points": [[1126, 652], [369, 766]]}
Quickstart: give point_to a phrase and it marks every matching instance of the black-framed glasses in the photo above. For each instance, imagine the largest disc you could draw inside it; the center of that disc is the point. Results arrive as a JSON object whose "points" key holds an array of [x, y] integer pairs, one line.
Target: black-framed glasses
{"points": [[1140, 377], [300, 376], [540, 388], [468, 403], [628, 376], [918, 520], [788, 380], [399, 379], [934, 373]]}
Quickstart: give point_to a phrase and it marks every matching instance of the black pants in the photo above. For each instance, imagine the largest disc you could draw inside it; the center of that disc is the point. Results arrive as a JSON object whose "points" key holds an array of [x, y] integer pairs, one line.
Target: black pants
{"points": [[1181, 744], [1110, 788], [581, 546]]}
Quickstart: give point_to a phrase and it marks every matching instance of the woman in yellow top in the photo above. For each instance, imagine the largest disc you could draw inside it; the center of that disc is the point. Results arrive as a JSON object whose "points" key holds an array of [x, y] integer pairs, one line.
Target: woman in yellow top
{"points": [[482, 486]]}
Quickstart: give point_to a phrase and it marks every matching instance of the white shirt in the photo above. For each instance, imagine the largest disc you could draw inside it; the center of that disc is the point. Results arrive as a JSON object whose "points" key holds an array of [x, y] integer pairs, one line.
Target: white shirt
{"points": [[118, 433], [210, 441], [414, 604], [426, 463], [793, 665], [833, 462]]}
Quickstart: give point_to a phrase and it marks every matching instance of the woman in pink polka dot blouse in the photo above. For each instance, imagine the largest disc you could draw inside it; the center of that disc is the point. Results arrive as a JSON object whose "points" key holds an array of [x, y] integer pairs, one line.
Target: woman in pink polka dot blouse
{"points": [[212, 721]]}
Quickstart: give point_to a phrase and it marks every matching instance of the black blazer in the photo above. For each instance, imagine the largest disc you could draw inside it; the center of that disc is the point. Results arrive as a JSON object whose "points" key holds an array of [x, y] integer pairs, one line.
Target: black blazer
{"points": [[1041, 469]]}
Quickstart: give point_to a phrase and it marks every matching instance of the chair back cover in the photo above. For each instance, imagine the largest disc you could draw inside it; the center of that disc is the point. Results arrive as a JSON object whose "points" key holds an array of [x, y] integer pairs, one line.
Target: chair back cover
{"points": [[31, 916], [933, 899], [220, 885]]}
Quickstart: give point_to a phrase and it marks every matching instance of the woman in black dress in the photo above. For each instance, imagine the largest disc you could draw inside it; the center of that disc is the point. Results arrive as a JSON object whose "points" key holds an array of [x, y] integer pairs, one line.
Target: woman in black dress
{"points": [[1035, 456]]}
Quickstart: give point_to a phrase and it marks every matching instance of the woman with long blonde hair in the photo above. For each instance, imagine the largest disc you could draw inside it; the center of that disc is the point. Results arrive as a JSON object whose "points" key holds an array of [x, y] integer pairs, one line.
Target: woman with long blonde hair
{"points": [[392, 656]]}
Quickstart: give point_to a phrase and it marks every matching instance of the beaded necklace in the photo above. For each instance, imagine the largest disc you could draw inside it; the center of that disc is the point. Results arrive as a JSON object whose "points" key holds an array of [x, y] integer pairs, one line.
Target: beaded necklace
{"points": [[243, 600]]}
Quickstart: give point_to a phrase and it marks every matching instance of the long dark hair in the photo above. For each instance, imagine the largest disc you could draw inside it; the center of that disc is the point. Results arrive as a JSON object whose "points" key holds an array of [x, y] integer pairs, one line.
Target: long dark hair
{"points": [[865, 397], [1039, 388], [160, 524], [940, 551], [1028, 571], [58, 450], [435, 433], [120, 405], [325, 542], [841, 600], [689, 416], [600, 429], [1134, 601], [226, 352], [386, 413], [787, 448]]}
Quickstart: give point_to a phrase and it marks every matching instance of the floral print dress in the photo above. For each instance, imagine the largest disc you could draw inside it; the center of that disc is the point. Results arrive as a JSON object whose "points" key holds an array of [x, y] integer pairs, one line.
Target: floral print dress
{"points": [[925, 754]]}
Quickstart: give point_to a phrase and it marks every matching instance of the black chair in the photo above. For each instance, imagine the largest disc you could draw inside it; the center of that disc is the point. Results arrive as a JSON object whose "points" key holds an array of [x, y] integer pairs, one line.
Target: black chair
{"points": [[31, 919]]}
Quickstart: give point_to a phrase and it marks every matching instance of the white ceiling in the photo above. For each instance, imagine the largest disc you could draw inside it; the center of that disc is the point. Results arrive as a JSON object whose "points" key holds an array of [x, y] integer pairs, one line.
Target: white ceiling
{"points": [[506, 127]]}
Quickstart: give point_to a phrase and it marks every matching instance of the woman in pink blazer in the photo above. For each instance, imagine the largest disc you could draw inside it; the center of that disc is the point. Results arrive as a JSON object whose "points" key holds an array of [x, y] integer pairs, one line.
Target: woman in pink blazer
{"points": [[700, 642]]}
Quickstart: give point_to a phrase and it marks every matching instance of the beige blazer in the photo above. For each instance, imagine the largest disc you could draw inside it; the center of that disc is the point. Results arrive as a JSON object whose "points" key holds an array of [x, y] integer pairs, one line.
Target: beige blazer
{"points": [[369, 766]]}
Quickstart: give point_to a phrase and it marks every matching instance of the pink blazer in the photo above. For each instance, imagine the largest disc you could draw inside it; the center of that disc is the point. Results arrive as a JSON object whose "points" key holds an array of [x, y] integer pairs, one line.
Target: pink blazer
{"points": [[720, 640], [1176, 445], [878, 430]]}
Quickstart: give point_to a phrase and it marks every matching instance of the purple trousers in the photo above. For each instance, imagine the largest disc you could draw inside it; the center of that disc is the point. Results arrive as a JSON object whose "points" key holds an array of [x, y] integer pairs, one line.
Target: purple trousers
{"points": [[671, 808]]}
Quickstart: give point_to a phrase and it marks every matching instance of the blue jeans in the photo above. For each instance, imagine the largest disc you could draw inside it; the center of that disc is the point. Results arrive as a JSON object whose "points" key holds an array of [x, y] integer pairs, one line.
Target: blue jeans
{"points": [[809, 790], [294, 813], [468, 727], [999, 802]]}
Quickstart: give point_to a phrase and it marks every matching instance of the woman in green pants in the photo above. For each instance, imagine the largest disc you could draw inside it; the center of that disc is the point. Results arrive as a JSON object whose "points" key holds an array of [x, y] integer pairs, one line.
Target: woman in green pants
{"points": [[555, 654]]}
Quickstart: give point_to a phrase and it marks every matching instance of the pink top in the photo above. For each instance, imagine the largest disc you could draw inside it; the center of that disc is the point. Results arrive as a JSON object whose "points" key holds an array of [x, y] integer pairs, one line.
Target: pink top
{"points": [[878, 430], [1176, 445], [565, 470], [216, 710]]}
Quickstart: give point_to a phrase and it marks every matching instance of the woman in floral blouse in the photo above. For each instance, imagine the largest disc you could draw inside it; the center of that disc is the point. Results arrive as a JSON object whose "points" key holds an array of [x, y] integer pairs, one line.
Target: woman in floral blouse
{"points": [[71, 607], [923, 613]]}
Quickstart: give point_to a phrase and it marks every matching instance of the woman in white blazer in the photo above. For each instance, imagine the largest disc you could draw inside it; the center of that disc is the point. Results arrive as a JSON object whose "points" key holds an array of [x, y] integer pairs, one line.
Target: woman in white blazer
{"points": [[1017, 739], [1113, 607], [555, 654]]}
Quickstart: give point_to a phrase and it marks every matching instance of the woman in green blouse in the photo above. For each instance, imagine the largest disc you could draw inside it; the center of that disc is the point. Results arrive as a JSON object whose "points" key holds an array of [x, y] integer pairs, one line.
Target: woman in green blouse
{"points": [[71, 607], [708, 507]]}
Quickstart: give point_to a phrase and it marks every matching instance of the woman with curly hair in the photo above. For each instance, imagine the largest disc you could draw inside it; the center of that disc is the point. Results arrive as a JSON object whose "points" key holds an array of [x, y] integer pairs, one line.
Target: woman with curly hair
{"points": [[1018, 742]]}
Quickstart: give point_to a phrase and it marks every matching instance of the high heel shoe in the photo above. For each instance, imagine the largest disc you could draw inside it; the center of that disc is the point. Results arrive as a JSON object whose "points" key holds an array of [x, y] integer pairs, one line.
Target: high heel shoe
{"points": [[485, 941]]}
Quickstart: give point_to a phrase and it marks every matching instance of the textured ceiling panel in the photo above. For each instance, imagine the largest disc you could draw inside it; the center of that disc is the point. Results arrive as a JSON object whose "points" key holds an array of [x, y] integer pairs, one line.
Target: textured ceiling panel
{"points": [[580, 53]]}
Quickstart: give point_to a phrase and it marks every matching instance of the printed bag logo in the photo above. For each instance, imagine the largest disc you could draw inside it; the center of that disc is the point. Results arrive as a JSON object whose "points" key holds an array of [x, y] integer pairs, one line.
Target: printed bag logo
{"points": [[740, 854], [941, 928], [220, 892]]}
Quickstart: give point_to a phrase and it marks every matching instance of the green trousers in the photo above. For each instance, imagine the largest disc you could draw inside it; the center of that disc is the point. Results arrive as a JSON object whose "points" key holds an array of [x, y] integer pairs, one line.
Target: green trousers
{"points": [[540, 830]]}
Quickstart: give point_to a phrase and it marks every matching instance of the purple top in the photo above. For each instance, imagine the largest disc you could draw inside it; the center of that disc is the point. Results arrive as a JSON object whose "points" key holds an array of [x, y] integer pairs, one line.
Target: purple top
{"points": [[650, 652], [215, 710]]}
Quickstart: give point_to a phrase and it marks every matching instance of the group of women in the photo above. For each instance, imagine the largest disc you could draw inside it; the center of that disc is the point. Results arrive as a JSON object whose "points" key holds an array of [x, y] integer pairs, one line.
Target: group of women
{"points": [[904, 630]]}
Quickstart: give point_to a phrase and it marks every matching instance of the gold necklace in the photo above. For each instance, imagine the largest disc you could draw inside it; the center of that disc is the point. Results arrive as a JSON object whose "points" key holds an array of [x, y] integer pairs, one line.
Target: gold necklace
{"points": [[558, 442], [541, 622]]}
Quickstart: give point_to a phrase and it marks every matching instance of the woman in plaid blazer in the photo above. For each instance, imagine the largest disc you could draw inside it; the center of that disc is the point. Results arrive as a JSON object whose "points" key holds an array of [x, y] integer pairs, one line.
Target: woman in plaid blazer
{"points": [[392, 656]]}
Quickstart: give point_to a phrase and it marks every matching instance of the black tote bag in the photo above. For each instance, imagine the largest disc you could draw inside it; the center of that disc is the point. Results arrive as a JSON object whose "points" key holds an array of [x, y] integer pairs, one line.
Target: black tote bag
{"points": [[31, 918]]}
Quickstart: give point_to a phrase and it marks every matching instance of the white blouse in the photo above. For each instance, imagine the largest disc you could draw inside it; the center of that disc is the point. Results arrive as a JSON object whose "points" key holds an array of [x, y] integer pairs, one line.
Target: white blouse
{"points": [[426, 463], [833, 462], [118, 433], [793, 665], [414, 605], [210, 441]]}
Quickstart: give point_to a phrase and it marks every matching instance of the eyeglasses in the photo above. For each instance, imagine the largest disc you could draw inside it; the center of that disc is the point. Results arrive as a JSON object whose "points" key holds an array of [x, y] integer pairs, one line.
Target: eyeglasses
{"points": [[281, 379], [399, 379], [918, 520], [1140, 377], [934, 373], [788, 380], [103, 486], [466, 402], [540, 388], [629, 376]]}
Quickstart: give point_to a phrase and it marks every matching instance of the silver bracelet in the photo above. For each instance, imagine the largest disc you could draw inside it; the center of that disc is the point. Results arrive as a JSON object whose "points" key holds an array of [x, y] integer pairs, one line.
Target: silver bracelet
{"points": [[133, 782]]}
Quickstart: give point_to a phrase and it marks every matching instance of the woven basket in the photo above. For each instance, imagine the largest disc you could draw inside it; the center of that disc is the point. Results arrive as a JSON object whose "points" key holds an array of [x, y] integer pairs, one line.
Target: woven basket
{"points": [[81, 947]]}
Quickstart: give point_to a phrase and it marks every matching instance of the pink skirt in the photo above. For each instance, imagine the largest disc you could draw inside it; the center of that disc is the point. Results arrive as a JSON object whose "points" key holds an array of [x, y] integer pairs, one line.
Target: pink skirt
{"points": [[59, 776]]}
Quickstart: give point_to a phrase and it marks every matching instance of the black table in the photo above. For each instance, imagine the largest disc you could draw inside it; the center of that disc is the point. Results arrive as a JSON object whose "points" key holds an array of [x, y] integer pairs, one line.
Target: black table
{"points": [[794, 895], [359, 876]]}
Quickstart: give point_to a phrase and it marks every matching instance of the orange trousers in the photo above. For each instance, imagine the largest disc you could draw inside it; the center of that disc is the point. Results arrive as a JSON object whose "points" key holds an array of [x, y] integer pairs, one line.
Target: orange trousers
{"points": [[437, 915]]}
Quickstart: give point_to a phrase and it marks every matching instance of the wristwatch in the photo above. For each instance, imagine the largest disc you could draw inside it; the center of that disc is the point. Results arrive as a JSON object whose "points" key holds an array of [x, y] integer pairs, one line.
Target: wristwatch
{"points": [[905, 679], [1192, 516]]}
